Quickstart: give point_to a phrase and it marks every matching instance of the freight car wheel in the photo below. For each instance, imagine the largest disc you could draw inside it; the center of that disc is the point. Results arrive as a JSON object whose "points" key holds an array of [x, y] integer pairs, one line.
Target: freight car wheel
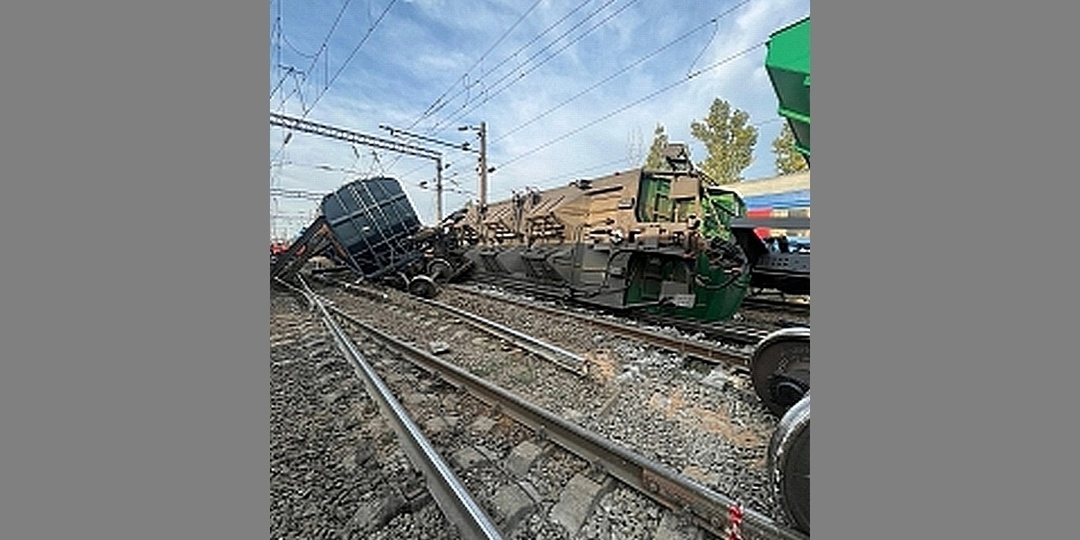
{"points": [[398, 281], [439, 270], [789, 463], [780, 369], [423, 286]]}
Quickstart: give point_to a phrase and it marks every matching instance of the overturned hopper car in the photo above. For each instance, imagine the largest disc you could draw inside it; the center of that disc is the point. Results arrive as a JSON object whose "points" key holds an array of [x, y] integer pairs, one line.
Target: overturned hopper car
{"points": [[368, 226]]}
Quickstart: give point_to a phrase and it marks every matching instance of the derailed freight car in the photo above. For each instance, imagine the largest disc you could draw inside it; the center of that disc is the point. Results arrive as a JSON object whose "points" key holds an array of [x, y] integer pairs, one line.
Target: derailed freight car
{"points": [[369, 227], [658, 240]]}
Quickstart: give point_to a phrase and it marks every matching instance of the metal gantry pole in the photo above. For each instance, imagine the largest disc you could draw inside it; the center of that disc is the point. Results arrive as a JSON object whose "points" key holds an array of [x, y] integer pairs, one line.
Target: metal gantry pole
{"points": [[438, 190], [483, 166]]}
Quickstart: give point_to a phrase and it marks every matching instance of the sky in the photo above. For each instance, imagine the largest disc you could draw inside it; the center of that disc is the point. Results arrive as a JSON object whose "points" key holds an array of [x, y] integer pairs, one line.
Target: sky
{"points": [[566, 89]]}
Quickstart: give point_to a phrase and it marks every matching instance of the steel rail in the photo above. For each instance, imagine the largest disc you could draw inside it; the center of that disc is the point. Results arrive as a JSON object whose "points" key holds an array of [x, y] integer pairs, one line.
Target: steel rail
{"points": [[556, 355], [745, 335], [699, 350], [712, 511], [449, 493], [781, 306], [720, 329], [553, 353]]}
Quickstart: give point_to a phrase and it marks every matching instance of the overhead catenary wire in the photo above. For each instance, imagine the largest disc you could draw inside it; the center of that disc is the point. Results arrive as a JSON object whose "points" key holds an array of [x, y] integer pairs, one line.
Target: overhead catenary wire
{"points": [[516, 52], [435, 107], [303, 75], [578, 172], [573, 174], [285, 39], [690, 76], [322, 48], [621, 71], [437, 103], [353, 53], [307, 109], [522, 74], [667, 88], [460, 115]]}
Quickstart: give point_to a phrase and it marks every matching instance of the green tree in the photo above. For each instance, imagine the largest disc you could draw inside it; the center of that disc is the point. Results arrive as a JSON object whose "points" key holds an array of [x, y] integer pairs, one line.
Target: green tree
{"points": [[788, 159], [729, 140], [656, 160]]}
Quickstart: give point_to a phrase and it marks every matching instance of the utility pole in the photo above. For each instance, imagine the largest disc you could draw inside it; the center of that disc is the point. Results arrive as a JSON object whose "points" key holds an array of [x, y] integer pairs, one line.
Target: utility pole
{"points": [[438, 163], [483, 167], [438, 190]]}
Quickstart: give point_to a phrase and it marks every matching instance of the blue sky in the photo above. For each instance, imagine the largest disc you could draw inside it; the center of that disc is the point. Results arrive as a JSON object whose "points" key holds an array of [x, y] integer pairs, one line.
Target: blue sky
{"points": [[567, 89]]}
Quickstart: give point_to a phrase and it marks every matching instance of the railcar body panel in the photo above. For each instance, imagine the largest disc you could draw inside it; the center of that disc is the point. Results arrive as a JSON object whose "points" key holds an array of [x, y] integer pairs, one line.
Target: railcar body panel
{"points": [[658, 240], [788, 64], [373, 220]]}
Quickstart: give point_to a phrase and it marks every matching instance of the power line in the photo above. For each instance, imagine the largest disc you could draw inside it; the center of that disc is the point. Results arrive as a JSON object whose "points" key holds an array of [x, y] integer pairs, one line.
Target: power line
{"points": [[314, 61], [328, 168], [514, 54], [432, 109], [456, 146], [438, 106], [324, 46], [285, 39], [341, 134], [352, 54], [606, 164], [277, 44], [307, 109], [289, 70], [457, 118], [626, 68], [572, 174], [682, 81], [522, 75]]}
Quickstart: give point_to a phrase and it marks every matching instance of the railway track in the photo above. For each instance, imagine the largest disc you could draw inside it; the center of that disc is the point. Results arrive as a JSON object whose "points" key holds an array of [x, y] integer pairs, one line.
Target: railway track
{"points": [[723, 331], [601, 462], [335, 471], [557, 356], [777, 305], [727, 366], [455, 501], [693, 350], [704, 351], [629, 386]]}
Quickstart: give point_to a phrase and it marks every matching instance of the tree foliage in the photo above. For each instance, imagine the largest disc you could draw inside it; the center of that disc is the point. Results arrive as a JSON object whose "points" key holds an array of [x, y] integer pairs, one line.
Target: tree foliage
{"points": [[655, 159], [788, 159], [729, 140]]}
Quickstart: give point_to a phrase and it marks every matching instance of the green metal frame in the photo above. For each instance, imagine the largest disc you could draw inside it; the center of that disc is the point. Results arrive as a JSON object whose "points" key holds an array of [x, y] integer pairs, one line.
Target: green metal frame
{"points": [[718, 294], [788, 65]]}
